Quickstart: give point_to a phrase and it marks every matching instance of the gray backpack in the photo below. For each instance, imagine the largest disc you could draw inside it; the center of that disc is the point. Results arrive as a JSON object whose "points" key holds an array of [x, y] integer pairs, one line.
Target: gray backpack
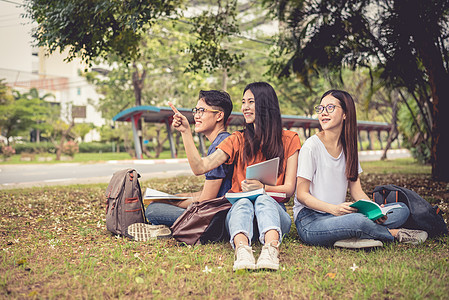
{"points": [[124, 202]]}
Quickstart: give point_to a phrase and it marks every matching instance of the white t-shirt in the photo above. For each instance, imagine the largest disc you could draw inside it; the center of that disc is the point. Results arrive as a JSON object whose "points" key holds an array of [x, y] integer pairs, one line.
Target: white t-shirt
{"points": [[326, 173]]}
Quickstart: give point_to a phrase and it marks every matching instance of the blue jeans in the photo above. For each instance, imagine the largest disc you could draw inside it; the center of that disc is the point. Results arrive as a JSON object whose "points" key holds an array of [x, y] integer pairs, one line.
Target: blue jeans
{"points": [[269, 215], [162, 213], [324, 229]]}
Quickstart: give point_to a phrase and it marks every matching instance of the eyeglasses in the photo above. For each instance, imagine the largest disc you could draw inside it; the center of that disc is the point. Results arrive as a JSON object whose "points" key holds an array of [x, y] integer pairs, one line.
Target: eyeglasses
{"points": [[329, 108], [200, 111]]}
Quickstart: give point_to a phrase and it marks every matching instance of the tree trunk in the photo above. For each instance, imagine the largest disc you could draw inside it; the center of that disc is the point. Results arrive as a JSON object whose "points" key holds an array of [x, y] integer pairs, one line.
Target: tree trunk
{"points": [[224, 82], [394, 129], [439, 85], [138, 81], [64, 135]]}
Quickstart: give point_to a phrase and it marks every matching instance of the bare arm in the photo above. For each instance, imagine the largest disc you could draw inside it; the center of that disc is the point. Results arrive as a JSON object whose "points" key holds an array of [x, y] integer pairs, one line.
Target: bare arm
{"points": [[304, 196], [357, 193], [198, 164], [210, 189], [290, 177]]}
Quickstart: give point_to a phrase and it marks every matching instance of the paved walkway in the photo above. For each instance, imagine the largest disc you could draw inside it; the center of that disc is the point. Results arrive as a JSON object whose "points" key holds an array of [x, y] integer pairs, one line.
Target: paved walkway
{"points": [[35, 175]]}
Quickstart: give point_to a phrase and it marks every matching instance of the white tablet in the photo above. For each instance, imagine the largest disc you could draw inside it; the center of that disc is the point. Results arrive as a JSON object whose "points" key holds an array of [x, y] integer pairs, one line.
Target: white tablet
{"points": [[266, 171]]}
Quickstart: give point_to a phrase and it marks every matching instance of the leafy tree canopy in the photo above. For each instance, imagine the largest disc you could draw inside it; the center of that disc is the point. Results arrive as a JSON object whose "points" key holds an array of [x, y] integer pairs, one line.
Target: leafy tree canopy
{"points": [[407, 41], [95, 28]]}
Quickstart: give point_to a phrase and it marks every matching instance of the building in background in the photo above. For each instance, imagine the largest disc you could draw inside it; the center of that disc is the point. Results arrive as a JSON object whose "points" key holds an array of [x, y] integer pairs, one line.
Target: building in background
{"points": [[23, 67]]}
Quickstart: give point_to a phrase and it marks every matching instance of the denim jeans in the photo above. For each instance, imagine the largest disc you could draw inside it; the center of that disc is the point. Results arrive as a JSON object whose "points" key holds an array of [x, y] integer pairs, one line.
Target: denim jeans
{"points": [[269, 215], [324, 229], [162, 213]]}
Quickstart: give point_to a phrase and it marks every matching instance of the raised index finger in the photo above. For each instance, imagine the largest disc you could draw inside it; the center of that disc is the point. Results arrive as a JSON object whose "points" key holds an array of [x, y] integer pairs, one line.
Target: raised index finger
{"points": [[175, 110]]}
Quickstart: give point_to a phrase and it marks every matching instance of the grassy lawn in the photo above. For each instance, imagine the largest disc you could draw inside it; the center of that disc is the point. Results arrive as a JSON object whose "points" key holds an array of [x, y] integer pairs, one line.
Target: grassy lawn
{"points": [[54, 244]]}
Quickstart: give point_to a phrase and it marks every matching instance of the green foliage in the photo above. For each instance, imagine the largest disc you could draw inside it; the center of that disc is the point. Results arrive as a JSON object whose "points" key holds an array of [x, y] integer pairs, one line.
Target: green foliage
{"points": [[408, 47], [5, 94], [42, 147], [414, 137], [26, 111], [160, 67], [95, 147], [211, 28], [81, 129], [91, 29]]}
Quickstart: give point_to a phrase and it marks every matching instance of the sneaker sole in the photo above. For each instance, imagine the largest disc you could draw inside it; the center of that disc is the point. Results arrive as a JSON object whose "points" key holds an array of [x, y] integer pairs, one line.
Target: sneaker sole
{"points": [[244, 267], [145, 232], [271, 267], [359, 244]]}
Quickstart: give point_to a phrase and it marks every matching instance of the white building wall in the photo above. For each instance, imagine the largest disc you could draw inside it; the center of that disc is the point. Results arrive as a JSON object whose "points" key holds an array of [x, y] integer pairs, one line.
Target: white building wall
{"points": [[24, 66]]}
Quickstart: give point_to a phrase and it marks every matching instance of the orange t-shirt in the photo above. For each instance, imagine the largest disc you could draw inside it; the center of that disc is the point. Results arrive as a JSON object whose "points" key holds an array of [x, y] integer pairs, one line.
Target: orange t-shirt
{"points": [[233, 146]]}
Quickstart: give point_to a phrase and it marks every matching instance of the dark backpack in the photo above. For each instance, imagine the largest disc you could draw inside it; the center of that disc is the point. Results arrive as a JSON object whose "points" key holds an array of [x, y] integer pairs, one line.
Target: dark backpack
{"points": [[423, 216], [202, 222], [124, 202]]}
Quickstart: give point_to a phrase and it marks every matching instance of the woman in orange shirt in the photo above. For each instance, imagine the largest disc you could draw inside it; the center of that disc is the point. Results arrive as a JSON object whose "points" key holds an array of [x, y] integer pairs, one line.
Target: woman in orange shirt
{"points": [[263, 138]]}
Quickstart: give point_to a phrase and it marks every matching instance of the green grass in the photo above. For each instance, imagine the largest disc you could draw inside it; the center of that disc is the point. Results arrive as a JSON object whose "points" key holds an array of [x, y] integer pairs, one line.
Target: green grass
{"points": [[78, 158], [397, 166], [54, 244]]}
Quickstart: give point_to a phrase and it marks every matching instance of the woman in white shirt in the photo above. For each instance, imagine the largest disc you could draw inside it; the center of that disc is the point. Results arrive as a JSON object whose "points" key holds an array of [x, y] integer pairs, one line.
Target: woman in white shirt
{"points": [[328, 164]]}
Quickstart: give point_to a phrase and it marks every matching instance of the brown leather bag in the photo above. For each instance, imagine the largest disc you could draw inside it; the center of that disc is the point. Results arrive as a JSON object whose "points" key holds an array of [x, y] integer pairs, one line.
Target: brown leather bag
{"points": [[202, 222]]}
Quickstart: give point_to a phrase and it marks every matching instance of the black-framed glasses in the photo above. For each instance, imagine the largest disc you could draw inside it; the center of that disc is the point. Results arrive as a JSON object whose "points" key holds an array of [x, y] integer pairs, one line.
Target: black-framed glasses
{"points": [[200, 111], [329, 108]]}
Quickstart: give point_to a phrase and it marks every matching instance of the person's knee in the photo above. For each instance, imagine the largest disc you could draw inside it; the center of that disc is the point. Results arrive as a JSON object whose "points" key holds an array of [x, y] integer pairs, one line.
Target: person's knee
{"points": [[242, 204], [152, 210], [360, 221], [404, 210], [263, 201]]}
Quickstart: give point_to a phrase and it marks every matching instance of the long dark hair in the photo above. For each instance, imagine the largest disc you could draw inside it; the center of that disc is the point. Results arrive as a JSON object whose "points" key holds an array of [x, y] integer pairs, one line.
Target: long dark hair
{"points": [[266, 135], [348, 135]]}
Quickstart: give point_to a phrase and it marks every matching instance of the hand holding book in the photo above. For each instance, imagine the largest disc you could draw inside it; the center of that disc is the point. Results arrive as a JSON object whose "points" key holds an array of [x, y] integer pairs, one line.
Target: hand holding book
{"points": [[371, 209]]}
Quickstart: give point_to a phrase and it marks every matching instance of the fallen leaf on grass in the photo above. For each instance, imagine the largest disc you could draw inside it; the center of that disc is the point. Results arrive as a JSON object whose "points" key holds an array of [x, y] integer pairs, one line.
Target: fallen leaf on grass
{"points": [[21, 261], [139, 280], [331, 275]]}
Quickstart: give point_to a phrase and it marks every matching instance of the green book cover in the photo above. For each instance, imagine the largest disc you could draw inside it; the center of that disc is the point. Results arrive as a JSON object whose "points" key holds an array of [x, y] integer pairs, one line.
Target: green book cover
{"points": [[371, 209]]}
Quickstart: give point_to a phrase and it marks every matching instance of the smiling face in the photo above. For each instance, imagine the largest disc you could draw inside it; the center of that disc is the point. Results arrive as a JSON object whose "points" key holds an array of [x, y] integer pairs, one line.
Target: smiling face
{"points": [[333, 120], [206, 122], [249, 107]]}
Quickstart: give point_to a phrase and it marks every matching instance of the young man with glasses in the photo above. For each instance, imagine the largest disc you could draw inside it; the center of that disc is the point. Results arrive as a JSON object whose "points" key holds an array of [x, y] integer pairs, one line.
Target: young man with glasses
{"points": [[210, 114]]}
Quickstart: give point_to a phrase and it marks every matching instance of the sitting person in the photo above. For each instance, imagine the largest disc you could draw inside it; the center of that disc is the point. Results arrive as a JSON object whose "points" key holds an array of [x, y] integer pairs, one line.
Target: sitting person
{"points": [[210, 114], [263, 138], [328, 163]]}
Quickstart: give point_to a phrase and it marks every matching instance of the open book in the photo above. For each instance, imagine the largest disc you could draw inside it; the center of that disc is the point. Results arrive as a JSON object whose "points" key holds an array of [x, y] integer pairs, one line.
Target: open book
{"points": [[252, 195], [155, 195], [371, 209]]}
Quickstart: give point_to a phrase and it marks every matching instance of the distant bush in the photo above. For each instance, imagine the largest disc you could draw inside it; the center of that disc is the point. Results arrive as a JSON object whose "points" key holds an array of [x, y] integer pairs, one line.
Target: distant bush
{"points": [[97, 147], [70, 148], [8, 151], [43, 147], [48, 147]]}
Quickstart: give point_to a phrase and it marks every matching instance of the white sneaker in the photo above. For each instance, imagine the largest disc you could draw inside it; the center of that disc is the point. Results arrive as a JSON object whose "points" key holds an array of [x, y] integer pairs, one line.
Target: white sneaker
{"points": [[356, 243], [409, 236], [244, 258], [269, 257], [144, 232]]}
